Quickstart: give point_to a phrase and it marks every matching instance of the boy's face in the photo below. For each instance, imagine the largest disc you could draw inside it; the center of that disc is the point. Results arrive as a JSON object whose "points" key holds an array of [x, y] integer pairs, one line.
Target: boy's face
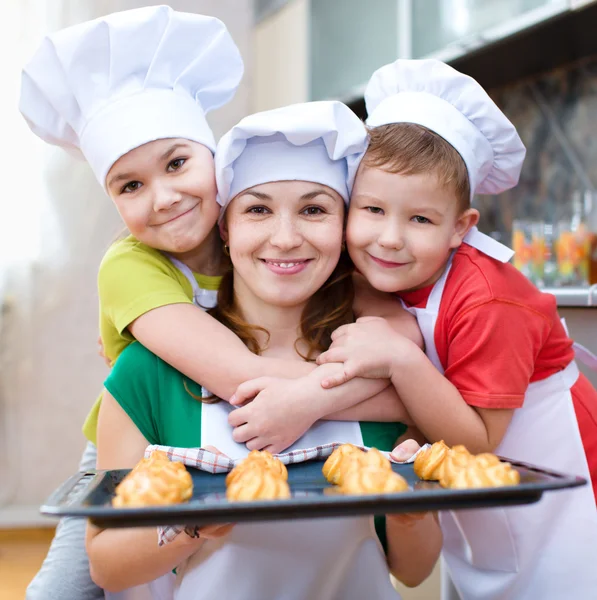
{"points": [[401, 228]]}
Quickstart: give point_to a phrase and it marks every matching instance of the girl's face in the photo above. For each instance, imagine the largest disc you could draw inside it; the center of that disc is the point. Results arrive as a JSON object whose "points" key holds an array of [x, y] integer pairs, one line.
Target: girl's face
{"points": [[165, 192], [285, 240]]}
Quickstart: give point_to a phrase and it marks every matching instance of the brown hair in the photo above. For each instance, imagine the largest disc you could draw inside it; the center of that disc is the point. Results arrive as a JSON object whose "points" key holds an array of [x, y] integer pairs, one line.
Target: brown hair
{"points": [[411, 149], [328, 308]]}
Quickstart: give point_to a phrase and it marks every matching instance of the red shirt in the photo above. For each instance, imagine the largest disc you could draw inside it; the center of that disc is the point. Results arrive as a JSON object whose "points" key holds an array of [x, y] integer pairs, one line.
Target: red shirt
{"points": [[496, 333]]}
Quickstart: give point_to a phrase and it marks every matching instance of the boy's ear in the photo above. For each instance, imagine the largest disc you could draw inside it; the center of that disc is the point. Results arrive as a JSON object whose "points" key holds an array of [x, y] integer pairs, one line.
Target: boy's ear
{"points": [[466, 220]]}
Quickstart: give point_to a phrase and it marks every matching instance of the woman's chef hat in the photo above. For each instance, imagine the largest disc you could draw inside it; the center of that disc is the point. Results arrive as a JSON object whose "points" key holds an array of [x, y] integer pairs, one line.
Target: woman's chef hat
{"points": [[322, 142], [107, 86], [432, 94]]}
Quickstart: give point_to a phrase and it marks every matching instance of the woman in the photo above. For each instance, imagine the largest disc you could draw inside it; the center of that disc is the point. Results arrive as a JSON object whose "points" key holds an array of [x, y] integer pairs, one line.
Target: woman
{"points": [[283, 178]]}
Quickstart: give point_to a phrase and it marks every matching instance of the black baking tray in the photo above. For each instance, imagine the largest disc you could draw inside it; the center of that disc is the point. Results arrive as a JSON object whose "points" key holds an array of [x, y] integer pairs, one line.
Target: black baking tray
{"points": [[88, 495]]}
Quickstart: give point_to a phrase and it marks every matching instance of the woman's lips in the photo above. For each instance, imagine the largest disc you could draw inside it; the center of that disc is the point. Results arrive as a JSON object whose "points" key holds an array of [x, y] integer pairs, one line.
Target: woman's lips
{"points": [[286, 267], [386, 264]]}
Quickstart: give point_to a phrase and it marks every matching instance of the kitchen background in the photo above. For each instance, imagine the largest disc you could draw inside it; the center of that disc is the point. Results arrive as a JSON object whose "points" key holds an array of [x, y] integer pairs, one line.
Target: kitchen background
{"points": [[538, 59]]}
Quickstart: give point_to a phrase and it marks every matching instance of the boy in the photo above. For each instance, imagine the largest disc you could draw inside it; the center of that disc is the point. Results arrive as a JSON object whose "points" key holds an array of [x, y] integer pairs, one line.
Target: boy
{"points": [[499, 374]]}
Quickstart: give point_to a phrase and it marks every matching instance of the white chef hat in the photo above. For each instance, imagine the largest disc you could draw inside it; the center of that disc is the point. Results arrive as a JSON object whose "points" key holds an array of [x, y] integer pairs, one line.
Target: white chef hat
{"points": [[322, 142], [107, 86], [432, 94]]}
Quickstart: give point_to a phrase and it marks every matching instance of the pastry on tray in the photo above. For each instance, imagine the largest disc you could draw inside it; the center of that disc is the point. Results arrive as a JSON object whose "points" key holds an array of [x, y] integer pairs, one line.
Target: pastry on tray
{"points": [[260, 460], [429, 463], [457, 468], [154, 481], [332, 467], [257, 483], [372, 480], [347, 457], [476, 474]]}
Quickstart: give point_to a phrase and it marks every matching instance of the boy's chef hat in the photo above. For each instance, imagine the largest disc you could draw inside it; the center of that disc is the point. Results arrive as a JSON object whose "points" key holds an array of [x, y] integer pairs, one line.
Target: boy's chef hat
{"points": [[107, 86], [322, 142], [432, 94]]}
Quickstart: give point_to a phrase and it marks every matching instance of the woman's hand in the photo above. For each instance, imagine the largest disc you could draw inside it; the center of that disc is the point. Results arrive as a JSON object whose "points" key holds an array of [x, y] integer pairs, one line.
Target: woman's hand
{"points": [[405, 450], [209, 532]]}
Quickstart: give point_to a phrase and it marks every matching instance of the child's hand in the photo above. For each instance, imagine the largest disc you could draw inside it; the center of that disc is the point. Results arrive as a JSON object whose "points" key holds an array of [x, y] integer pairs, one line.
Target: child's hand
{"points": [[279, 414], [101, 351], [368, 348]]}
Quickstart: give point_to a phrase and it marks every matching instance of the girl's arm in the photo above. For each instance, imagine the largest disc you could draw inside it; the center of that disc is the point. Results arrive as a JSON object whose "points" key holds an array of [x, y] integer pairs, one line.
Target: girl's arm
{"points": [[122, 558], [206, 351]]}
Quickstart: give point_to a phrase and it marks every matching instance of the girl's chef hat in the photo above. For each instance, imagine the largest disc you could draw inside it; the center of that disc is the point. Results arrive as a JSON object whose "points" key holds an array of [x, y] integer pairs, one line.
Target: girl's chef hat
{"points": [[107, 86], [436, 96], [322, 142]]}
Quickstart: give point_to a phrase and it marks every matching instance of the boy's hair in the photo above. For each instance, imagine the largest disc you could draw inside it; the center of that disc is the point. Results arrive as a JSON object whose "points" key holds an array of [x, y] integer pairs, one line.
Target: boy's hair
{"points": [[411, 149]]}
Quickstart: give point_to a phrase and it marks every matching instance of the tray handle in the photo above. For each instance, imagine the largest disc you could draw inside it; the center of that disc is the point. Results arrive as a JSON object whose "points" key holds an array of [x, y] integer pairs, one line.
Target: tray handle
{"points": [[62, 496]]}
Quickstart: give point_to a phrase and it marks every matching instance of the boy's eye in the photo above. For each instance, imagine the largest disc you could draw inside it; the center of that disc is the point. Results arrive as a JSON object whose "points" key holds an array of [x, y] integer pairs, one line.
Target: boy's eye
{"points": [[176, 164], [374, 210], [420, 219], [258, 210], [130, 187], [313, 210]]}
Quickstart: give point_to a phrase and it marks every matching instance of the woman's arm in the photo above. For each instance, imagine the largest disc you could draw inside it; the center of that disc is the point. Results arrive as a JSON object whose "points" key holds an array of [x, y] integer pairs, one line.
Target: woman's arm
{"points": [[122, 558], [414, 545], [199, 346]]}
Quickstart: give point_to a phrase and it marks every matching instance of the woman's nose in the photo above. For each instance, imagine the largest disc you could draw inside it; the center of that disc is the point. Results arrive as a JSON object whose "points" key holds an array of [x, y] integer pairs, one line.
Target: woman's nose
{"points": [[285, 234]]}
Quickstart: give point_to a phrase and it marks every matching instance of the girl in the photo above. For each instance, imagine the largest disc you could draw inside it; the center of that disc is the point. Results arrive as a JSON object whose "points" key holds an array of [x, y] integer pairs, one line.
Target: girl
{"points": [[137, 114], [284, 186]]}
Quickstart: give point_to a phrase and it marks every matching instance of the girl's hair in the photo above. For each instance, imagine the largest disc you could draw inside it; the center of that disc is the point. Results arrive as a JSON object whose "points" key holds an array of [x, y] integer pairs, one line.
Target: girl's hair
{"points": [[326, 310], [411, 149]]}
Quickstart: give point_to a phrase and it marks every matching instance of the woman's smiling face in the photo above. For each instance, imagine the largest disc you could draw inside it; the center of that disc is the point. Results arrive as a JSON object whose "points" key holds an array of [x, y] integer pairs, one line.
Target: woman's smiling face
{"points": [[285, 240]]}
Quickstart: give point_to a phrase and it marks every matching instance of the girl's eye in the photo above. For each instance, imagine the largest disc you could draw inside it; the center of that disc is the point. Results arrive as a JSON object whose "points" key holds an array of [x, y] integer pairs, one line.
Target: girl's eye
{"points": [[130, 187], [313, 210], [176, 164], [374, 210], [420, 219], [258, 210]]}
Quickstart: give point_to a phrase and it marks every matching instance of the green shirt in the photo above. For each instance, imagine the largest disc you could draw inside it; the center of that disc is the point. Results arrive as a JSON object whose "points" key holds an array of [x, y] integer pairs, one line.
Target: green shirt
{"points": [[155, 397]]}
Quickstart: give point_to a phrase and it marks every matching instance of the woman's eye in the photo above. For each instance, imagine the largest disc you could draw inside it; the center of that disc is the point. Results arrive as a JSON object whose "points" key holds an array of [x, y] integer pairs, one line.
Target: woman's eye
{"points": [[257, 210], [130, 187], [374, 210], [313, 210], [420, 219], [176, 164]]}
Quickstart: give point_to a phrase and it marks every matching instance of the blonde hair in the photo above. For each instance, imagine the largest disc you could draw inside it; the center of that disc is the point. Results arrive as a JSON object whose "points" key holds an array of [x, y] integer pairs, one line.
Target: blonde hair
{"points": [[411, 149]]}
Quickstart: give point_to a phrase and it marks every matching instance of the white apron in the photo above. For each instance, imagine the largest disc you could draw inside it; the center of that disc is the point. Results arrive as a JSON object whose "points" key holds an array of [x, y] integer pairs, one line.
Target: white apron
{"points": [[545, 550], [326, 559], [163, 587], [323, 559]]}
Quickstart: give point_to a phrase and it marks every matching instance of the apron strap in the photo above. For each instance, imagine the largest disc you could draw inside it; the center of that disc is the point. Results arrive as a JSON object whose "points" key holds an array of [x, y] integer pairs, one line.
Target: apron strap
{"points": [[488, 245]]}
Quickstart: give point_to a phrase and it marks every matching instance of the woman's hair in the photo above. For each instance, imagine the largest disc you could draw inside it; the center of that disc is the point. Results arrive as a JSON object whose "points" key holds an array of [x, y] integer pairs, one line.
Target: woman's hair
{"points": [[328, 308], [411, 149]]}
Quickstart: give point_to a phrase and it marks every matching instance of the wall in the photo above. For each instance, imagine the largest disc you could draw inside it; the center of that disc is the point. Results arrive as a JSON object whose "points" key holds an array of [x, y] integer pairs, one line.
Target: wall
{"points": [[280, 74], [50, 373]]}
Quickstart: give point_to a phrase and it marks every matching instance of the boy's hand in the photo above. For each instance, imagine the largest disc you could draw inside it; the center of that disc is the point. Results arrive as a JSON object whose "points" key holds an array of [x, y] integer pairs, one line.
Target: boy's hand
{"points": [[278, 415], [368, 348]]}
